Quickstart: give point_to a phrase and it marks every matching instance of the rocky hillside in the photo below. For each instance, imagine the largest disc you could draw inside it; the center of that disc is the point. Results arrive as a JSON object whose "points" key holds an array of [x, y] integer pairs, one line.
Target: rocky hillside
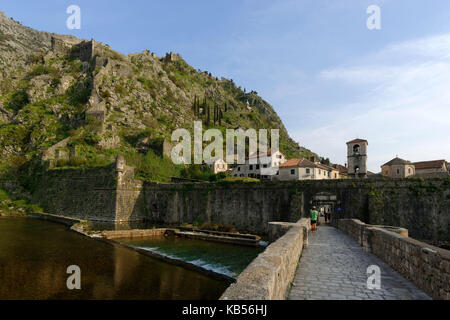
{"points": [[90, 102]]}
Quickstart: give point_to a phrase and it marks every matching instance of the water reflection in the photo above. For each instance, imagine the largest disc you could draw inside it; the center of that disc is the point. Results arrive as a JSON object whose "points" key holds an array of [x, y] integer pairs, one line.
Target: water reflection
{"points": [[34, 256]]}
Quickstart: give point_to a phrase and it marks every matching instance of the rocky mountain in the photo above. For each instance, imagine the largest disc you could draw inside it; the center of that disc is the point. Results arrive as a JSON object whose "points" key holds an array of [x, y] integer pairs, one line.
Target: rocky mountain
{"points": [[82, 103]]}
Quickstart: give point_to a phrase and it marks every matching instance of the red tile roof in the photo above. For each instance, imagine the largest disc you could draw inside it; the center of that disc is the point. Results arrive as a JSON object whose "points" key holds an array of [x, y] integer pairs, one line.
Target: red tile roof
{"points": [[341, 168], [303, 163], [435, 164], [396, 161], [357, 140]]}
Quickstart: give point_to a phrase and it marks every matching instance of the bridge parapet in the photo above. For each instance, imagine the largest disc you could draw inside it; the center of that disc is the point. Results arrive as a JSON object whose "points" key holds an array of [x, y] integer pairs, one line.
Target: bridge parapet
{"points": [[270, 274], [428, 267]]}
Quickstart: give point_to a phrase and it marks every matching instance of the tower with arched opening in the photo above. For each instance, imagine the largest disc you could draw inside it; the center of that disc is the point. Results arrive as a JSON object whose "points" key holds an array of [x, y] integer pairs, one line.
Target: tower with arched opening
{"points": [[357, 158]]}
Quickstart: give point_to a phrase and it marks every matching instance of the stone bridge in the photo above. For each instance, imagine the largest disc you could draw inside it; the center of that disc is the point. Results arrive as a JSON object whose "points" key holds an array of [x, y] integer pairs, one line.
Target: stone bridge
{"points": [[348, 260]]}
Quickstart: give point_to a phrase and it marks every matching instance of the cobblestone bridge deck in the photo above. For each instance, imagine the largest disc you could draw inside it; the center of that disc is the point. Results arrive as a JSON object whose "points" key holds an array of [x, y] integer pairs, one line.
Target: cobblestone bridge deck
{"points": [[334, 266]]}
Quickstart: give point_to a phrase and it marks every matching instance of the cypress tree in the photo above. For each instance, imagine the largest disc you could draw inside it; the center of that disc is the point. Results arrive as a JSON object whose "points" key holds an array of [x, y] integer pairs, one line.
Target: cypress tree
{"points": [[194, 107]]}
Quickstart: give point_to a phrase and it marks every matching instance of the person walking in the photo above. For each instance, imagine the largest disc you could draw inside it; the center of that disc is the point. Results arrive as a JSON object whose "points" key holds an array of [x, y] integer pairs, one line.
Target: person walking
{"points": [[314, 216]]}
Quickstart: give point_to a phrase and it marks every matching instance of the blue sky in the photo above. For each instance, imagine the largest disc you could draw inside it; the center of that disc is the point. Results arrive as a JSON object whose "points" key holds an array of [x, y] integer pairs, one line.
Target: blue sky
{"points": [[328, 77]]}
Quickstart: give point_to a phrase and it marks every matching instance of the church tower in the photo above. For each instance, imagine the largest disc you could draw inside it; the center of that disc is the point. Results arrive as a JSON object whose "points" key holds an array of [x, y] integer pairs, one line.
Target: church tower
{"points": [[357, 158]]}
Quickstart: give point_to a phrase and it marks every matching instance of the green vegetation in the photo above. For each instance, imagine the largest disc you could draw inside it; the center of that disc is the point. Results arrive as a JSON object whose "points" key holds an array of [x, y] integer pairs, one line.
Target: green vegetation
{"points": [[10, 207], [152, 167], [145, 99], [17, 101]]}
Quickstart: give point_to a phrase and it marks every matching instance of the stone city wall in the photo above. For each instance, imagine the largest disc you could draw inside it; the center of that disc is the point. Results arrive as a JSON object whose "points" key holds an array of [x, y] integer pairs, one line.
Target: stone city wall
{"points": [[421, 206], [248, 207], [99, 194]]}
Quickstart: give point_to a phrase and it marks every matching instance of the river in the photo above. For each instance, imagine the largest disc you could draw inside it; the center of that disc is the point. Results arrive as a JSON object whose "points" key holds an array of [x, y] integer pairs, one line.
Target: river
{"points": [[35, 254]]}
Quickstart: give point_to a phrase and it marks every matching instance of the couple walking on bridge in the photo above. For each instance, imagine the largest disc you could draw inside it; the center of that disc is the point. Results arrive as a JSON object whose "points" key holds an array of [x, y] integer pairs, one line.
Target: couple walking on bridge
{"points": [[315, 216]]}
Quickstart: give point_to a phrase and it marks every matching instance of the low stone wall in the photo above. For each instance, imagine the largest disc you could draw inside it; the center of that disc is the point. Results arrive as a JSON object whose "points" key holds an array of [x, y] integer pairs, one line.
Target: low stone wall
{"points": [[135, 233], [270, 274], [426, 266]]}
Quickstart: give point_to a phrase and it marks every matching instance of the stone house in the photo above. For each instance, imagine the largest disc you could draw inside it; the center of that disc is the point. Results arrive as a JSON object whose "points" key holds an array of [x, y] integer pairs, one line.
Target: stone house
{"points": [[333, 173], [260, 166], [217, 165], [398, 169], [343, 171], [432, 168]]}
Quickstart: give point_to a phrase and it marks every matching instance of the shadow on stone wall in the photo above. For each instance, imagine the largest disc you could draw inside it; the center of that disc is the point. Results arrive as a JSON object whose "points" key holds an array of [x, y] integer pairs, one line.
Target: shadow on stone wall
{"points": [[112, 194]]}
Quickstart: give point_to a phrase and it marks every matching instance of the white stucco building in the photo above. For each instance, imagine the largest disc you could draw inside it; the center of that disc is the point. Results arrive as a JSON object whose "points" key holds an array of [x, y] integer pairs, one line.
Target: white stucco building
{"points": [[303, 169], [260, 166], [217, 164]]}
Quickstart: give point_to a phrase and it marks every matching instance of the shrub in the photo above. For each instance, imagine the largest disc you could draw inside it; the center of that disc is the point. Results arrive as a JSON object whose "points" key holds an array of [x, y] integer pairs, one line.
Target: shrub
{"points": [[35, 58], [120, 89], [18, 100], [90, 138], [79, 93], [197, 172], [152, 167], [4, 195]]}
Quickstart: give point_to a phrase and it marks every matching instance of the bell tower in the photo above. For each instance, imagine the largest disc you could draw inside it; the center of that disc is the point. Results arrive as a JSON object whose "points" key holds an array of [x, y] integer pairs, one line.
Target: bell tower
{"points": [[357, 158]]}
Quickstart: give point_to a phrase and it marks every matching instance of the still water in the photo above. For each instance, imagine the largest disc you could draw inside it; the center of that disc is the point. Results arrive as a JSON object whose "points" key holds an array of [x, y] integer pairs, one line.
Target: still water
{"points": [[223, 258], [34, 256]]}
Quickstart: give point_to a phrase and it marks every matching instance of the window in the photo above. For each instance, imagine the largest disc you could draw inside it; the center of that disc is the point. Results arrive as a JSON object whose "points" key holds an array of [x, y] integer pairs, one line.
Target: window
{"points": [[239, 168], [356, 148], [250, 167], [308, 170], [264, 165], [278, 172], [398, 171], [292, 171], [320, 171], [257, 167], [279, 156], [409, 170]]}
